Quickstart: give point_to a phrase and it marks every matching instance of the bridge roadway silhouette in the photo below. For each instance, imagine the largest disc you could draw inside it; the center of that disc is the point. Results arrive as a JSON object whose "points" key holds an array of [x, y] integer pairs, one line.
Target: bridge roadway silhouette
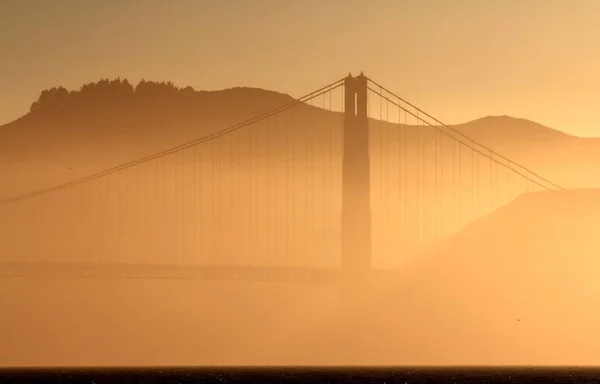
{"points": [[74, 270], [356, 226]]}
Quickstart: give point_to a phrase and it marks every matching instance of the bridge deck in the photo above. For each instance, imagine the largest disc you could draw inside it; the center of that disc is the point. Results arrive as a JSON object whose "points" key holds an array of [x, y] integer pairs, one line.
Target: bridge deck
{"points": [[172, 272], [165, 271]]}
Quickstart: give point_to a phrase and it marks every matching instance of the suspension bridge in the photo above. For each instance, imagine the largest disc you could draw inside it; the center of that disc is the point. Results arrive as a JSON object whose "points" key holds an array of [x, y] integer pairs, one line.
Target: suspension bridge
{"points": [[347, 180]]}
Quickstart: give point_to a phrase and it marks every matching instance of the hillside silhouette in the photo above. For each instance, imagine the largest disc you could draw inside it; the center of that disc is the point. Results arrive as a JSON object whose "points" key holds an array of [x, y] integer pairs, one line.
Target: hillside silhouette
{"points": [[72, 134], [545, 237], [148, 117]]}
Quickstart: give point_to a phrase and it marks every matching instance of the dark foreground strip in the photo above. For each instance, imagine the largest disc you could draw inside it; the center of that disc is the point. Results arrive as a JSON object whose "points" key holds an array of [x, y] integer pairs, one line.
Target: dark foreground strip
{"points": [[303, 375]]}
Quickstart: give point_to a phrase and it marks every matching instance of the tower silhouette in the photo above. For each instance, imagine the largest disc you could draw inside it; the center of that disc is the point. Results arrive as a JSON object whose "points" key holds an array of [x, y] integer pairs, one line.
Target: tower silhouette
{"points": [[356, 183]]}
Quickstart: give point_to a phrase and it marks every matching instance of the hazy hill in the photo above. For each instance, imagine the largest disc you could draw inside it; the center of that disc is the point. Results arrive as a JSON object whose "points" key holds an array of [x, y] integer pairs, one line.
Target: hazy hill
{"points": [[68, 135], [543, 238]]}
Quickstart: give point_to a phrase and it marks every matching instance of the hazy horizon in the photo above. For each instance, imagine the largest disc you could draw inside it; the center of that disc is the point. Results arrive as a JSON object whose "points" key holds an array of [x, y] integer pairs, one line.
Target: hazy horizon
{"points": [[513, 58]]}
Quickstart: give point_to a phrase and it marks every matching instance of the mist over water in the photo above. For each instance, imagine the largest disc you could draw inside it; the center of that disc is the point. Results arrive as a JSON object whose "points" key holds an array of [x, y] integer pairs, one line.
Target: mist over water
{"points": [[448, 313]]}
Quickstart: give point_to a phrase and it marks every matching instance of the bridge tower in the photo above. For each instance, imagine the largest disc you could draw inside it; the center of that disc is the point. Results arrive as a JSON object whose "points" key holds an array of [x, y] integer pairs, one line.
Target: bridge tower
{"points": [[356, 185]]}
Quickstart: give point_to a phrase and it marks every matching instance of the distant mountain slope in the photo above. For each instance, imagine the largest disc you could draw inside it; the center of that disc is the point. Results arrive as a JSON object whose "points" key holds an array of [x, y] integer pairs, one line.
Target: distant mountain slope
{"points": [[541, 233], [87, 136]]}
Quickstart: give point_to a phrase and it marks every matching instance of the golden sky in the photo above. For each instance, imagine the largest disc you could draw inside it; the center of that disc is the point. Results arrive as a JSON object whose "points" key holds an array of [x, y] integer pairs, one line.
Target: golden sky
{"points": [[457, 59]]}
